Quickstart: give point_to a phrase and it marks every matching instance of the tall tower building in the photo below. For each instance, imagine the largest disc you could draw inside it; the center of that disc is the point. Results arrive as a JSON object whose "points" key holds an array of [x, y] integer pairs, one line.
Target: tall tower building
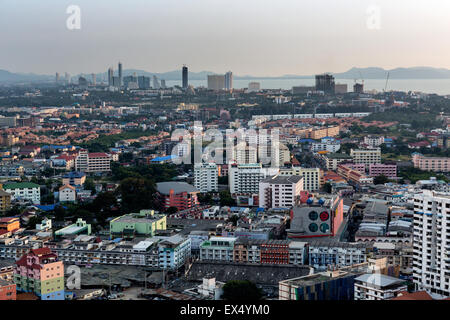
{"points": [[67, 78], [156, 84], [216, 82], [94, 79], [185, 77], [120, 74], [325, 83], [57, 77], [206, 177], [431, 262], [110, 76], [229, 80]]}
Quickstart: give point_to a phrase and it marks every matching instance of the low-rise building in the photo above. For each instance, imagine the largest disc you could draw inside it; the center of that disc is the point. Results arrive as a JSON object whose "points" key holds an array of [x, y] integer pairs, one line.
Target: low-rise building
{"points": [[145, 223], [378, 287], [67, 193], [24, 191]]}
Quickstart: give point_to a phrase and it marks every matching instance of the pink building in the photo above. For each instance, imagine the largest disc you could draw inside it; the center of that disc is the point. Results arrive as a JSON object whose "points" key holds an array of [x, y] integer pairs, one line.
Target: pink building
{"points": [[431, 163], [360, 167], [388, 170]]}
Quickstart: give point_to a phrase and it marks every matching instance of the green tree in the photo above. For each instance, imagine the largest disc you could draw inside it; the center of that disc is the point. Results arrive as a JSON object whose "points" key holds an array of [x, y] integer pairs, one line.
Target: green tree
{"points": [[327, 187], [381, 179], [241, 290], [137, 194], [226, 199]]}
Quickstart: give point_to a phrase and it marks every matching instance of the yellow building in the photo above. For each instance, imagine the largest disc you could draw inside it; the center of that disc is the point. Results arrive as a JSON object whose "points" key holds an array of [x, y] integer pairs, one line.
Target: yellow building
{"points": [[5, 201]]}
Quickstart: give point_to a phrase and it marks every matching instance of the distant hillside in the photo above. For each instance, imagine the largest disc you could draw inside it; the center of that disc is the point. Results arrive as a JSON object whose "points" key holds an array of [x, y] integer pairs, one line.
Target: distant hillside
{"points": [[353, 73]]}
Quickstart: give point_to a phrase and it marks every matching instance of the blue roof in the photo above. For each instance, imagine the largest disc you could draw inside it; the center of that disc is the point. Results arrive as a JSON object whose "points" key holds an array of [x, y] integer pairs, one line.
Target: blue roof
{"points": [[306, 140], [74, 174], [166, 158], [56, 147], [49, 207]]}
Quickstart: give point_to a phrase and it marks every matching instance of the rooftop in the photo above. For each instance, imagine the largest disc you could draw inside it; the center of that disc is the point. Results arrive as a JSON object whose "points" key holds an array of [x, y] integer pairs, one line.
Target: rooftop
{"points": [[177, 187]]}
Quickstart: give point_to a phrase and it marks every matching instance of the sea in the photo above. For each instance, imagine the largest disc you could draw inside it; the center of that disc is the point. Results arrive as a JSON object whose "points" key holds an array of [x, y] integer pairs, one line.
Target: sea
{"points": [[436, 86]]}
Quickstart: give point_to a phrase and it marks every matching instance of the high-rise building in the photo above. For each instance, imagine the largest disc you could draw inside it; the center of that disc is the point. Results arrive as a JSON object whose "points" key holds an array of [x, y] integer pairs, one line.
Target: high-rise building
{"points": [[110, 76], [280, 191], [245, 178], [185, 77], [156, 84], [358, 88], [57, 77], [120, 74], [325, 83], [229, 80], [254, 87], [216, 82], [431, 262], [366, 156], [67, 78], [143, 82], [82, 81], [340, 88], [163, 84], [94, 79], [206, 177]]}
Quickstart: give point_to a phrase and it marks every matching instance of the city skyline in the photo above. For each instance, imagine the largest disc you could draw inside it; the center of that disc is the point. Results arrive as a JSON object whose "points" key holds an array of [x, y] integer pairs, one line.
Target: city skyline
{"points": [[252, 39]]}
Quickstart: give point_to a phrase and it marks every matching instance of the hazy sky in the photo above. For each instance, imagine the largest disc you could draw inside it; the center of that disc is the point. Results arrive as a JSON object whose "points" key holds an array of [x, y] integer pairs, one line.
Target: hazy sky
{"points": [[257, 37]]}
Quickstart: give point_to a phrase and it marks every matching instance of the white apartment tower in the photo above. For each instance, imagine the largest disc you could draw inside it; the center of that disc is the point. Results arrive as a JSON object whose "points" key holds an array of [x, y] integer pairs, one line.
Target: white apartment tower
{"points": [[245, 178], [432, 243], [280, 191], [206, 177]]}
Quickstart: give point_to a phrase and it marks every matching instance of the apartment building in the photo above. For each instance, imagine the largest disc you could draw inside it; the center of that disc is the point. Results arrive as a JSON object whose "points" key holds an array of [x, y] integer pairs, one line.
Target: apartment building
{"points": [[5, 201], [378, 287], [331, 147], [206, 177], [374, 141], [245, 178], [320, 133], [76, 179], [280, 191], [24, 191], [179, 195], [145, 223], [332, 160], [173, 251], [218, 249], [388, 170], [67, 193], [7, 290], [96, 162], [323, 254], [366, 156], [431, 243], [42, 273], [431, 163], [312, 177], [243, 153], [352, 175], [9, 224]]}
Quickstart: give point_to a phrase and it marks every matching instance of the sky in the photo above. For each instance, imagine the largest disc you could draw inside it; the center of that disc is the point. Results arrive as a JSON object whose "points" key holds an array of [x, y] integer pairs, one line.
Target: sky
{"points": [[249, 37]]}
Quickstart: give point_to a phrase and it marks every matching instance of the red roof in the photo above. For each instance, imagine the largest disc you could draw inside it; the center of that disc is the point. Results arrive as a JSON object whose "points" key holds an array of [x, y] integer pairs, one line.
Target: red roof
{"points": [[98, 155], [419, 295], [7, 219], [41, 251], [65, 157]]}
